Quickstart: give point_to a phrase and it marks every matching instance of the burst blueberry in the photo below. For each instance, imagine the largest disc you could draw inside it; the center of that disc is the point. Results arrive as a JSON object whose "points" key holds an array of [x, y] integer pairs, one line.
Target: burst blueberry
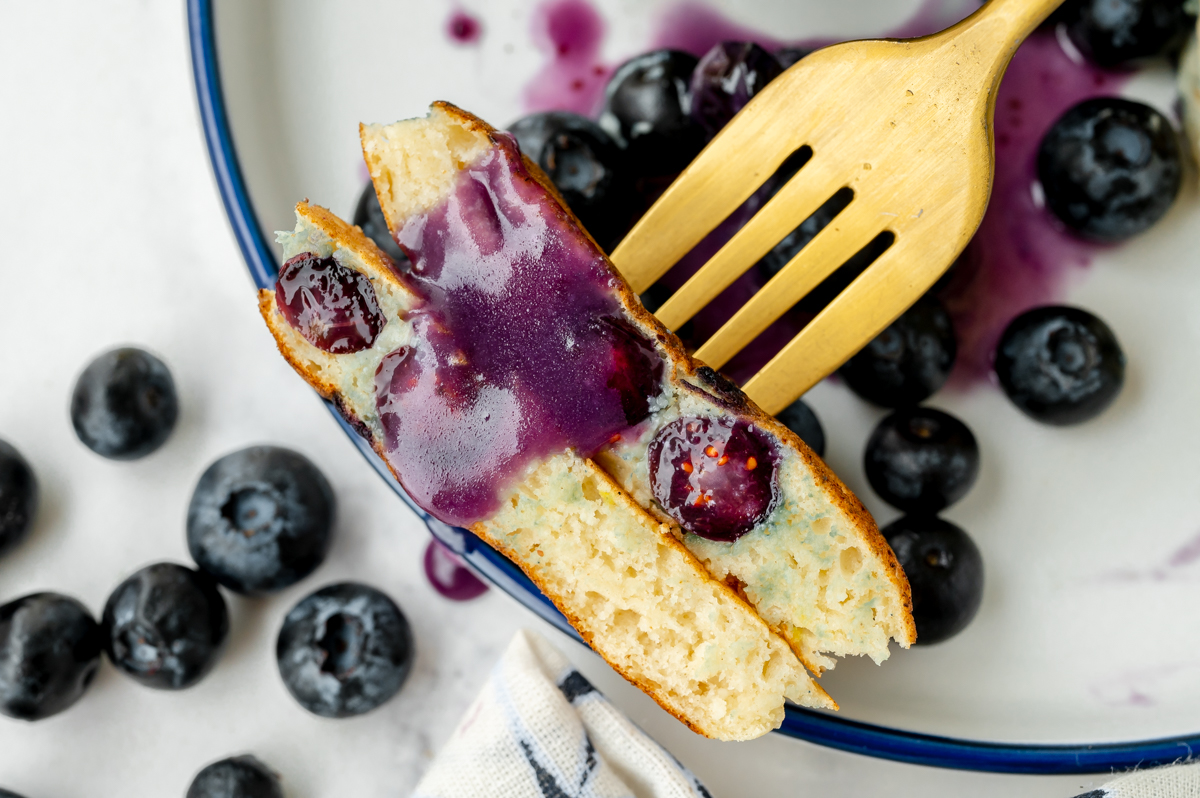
{"points": [[726, 78], [1112, 32], [49, 653], [945, 573], [921, 460], [585, 165], [1110, 168], [260, 519], [1060, 365], [18, 498], [333, 306], [124, 404], [368, 215], [647, 107], [800, 419], [344, 650], [236, 777], [908, 361], [165, 626]]}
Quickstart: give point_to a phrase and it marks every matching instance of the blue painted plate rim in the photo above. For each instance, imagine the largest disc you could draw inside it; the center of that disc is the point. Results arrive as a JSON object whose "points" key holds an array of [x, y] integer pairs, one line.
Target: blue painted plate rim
{"points": [[816, 727]]}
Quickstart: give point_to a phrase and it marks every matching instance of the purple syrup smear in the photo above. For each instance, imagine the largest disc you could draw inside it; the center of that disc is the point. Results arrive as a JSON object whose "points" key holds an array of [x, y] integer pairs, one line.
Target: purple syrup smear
{"points": [[449, 576], [464, 28], [570, 32], [332, 306], [522, 347]]}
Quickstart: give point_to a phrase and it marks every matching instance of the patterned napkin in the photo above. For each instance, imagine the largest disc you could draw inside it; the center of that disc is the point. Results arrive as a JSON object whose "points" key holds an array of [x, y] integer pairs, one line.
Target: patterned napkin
{"points": [[1177, 781]]}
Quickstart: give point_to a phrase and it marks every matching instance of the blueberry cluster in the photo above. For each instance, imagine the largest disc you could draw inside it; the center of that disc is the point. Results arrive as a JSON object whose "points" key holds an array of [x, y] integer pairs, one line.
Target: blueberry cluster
{"points": [[260, 520]]}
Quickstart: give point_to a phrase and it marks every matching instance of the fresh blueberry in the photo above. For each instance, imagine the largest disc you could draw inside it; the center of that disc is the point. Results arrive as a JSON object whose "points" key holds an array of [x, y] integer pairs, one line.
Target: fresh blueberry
{"points": [[7, 794], [236, 777], [908, 361], [368, 215], [260, 519], [647, 107], [773, 262], [726, 78], [1110, 168], [1060, 365], [585, 165], [18, 498], [786, 56], [331, 305], [921, 460], [124, 405], [344, 650], [165, 626], [944, 570], [1111, 32], [800, 419], [49, 653], [714, 476]]}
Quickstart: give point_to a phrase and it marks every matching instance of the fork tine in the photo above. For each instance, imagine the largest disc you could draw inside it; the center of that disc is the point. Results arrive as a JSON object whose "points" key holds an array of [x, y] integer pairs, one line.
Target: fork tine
{"points": [[796, 201], [849, 231], [858, 314], [731, 168]]}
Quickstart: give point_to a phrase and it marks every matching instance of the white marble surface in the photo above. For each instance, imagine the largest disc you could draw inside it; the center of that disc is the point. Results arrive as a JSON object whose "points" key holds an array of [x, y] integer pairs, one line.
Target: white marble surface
{"points": [[114, 234]]}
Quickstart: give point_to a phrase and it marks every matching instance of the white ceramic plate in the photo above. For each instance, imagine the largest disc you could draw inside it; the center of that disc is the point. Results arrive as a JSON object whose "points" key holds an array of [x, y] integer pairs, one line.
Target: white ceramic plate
{"points": [[1087, 634]]}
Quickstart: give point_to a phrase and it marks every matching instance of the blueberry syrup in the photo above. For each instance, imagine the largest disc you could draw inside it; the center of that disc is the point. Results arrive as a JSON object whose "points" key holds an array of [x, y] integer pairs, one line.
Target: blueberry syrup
{"points": [[523, 349], [463, 28], [570, 32], [449, 576], [332, 306], [716, 477]]}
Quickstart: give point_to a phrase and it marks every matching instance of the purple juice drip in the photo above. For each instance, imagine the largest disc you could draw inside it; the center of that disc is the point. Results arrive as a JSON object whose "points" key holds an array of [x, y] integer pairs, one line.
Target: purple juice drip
{"points": [[449, 575], [464, 28], [1020, 257], [570, 32], [523, 349]]}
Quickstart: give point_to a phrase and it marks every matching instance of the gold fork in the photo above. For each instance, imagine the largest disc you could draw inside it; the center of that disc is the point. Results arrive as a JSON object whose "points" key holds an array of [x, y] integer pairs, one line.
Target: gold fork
{"points": [[906, 125]]}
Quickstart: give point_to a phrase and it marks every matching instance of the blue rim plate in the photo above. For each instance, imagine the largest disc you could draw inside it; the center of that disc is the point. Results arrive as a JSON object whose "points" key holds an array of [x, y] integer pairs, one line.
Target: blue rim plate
{"points": [[816, 727]]}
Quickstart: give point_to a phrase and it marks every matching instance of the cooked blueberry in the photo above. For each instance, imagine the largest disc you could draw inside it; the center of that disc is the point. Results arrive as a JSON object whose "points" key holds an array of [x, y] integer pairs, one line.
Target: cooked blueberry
{"points": [[236, 777], [1060, 365], [921, 460], [344, 650], [647, 106], [1110, 168], [945, 573], [726, 78], [800, 419], [908, 361], [786, 56], [18, 498], [585, 165], [124, 405], [49, 653], [331, 305], [368, 215], [260, 519], [1111, 32], [715, 476], [165, 626]]}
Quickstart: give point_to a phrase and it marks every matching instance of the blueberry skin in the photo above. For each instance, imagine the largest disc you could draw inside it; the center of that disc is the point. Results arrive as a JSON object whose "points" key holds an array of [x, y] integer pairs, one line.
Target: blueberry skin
{"points": [[908, 361], [236, 777], [1112, 32], [921, 460], [726, 79], [647, 107], [786, 56], [6, 794], [586, 166], [1060, 365], [49, 654], [344, 650], [260, 519], [800, 419], [165, 626], [124, 405], [18, 498], [368, 215], [1110, 168], [944, 570]]}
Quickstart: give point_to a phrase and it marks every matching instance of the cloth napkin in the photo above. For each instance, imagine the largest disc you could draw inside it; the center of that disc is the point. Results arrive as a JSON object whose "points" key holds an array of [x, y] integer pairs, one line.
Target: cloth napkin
{"points": [[538, 729]]}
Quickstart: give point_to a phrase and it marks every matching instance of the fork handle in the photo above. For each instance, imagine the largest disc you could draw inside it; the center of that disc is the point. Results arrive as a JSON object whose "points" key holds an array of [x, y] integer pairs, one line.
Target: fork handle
{"points": [[988, 38]]}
